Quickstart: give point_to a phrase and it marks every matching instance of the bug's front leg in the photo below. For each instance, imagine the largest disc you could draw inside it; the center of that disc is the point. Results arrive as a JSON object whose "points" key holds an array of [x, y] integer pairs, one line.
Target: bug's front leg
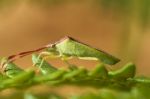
{"points": [[45, 55], [43, 66], [49, 55]]}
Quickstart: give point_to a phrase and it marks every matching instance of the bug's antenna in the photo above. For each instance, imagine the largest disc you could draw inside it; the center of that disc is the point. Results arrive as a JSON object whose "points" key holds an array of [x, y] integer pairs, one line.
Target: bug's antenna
{"points": [[22, 54]]}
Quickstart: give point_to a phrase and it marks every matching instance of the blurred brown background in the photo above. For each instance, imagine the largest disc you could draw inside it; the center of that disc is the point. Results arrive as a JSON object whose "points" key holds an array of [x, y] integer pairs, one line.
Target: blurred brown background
{"points": [[120, 27]]}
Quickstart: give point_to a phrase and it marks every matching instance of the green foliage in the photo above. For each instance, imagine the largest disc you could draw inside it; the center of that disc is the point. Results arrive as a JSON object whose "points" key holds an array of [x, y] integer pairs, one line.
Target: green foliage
{"points": [[109, 84], [12, 70], [128, 71]]}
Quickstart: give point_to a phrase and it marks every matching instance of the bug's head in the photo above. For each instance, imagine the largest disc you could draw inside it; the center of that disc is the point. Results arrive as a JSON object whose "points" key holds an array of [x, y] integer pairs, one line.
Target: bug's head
{"points": [[52, 48]]}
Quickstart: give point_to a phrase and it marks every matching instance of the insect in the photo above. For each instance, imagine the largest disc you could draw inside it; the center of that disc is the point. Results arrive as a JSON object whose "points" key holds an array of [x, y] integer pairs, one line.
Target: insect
{"points": [[67, 48]]}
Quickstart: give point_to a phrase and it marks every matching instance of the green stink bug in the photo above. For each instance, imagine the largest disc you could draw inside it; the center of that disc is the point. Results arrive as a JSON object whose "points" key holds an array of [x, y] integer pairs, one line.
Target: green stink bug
{"points": [[69, 47]]}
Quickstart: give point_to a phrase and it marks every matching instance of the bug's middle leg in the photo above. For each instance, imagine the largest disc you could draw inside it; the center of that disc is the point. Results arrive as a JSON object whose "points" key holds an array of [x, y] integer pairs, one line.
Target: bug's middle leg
{"points": [[65, 60]]}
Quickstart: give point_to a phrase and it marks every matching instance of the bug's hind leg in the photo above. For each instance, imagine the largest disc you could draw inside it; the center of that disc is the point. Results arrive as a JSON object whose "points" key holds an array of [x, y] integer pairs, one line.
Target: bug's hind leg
{"points": [[71, 66]]}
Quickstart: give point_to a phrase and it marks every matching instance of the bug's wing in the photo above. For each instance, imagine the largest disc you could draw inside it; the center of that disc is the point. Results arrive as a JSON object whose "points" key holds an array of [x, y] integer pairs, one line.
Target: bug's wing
{"points": [[71, 47]]}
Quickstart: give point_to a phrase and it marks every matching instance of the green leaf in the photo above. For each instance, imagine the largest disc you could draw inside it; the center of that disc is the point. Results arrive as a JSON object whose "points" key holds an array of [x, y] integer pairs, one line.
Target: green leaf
{"points": [[49, 77], [127, 71], [76, 73], [11, 70], [99, 72], [18, 80]]}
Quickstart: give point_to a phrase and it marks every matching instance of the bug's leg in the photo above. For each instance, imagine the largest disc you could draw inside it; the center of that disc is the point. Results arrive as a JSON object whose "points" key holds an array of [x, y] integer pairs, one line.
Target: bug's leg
{"points": [[71, 66], [40, 55], [110, 68], [65, 59], [43, 66], [45, 55]]}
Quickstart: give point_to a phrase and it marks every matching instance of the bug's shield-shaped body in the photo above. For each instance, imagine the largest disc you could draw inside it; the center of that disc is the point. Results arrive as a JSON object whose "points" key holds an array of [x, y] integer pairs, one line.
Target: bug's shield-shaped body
{"points": [[71, 47]]}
